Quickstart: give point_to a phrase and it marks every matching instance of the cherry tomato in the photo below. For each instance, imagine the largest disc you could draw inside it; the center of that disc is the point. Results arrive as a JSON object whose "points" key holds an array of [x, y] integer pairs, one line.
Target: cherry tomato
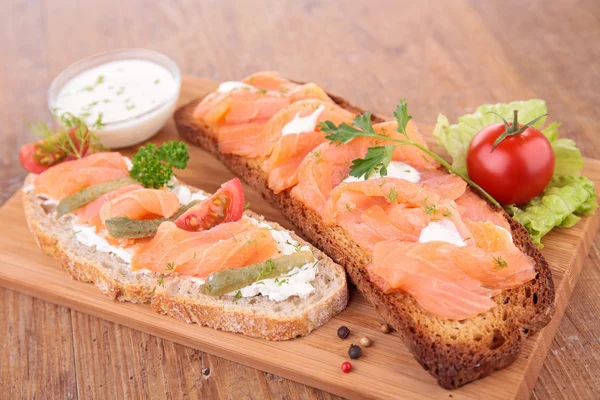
{"points": [[28, 161], [226, 205], [518, 168], [38, 156]]}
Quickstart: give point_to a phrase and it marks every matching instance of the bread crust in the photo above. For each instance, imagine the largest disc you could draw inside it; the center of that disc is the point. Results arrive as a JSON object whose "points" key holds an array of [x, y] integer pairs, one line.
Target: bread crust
{"points": [[215, 313], [454, 352]]}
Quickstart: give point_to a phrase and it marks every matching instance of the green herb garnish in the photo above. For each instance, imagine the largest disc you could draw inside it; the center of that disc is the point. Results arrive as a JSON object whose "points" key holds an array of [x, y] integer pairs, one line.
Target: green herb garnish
{"points": [[238, 294], [378, 157], [296, 247], [318, 155], [90, 88], [429, 208], [161, 281], [153, 166], [268, 269], [500, 263], [392, 195], [73, 138], [171, 266], [376, 161]]}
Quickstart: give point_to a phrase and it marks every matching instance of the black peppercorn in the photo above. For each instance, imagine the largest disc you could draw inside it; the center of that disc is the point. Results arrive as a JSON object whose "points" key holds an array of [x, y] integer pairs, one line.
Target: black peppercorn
{"points": [[354, 351], [343, 332]]}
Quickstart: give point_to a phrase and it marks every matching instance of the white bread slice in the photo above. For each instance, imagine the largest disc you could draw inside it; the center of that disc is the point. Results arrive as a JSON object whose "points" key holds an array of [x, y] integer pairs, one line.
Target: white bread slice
{"points": [[179, 296]]}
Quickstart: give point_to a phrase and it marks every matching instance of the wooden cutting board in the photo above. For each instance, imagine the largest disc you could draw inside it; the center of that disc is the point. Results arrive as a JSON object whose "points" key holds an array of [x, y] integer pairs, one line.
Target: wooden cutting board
{"points": [[386, 369]]}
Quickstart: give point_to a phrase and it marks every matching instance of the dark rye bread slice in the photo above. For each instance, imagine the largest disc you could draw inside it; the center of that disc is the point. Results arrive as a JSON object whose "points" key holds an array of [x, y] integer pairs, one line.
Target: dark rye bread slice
{"points": [[454, 352]]}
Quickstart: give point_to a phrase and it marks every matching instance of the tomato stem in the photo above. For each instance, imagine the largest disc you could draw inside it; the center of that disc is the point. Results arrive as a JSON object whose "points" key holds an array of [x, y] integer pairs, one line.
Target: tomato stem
{"points": [[515, 118], [513, 130]]}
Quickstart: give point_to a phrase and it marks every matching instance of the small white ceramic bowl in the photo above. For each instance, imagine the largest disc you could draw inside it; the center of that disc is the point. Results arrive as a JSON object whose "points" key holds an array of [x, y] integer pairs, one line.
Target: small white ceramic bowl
{"points": [[135, 129]]}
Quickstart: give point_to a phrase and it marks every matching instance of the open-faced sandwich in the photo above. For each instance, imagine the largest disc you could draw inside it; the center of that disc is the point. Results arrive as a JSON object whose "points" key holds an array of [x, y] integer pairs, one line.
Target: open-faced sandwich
{"points": [[141, 236], [438, 257]]}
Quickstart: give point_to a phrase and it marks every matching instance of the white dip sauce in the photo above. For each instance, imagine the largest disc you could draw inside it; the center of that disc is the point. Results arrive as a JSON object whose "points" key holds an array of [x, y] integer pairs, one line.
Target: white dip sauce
{"points": [[229, 86], [120, 91], [303, 124], [396, 169], [443, 231]]}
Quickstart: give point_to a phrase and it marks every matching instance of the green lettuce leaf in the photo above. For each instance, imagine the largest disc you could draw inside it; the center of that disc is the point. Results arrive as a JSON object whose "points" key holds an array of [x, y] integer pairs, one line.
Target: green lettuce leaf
{"points": [[567, 193], [567, 158], [556, 206], [456, 138]]}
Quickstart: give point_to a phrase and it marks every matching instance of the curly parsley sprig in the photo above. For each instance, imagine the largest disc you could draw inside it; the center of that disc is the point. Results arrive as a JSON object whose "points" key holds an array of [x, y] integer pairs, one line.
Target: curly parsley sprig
{"points": [[379, 157], [153, 166]]}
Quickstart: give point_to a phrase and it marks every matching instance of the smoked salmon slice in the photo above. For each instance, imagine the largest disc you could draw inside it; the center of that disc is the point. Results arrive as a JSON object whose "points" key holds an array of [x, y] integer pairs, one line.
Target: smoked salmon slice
{"points": [[283, 164], [238, 113], [72, 176], [323, 169], [445, 184], [239, 106], [329, 164], [409, 154], [90, 213], [471, 206], [141, 204], [241, 139], [291, 134], [424, 271], [449, 281], [508, 267], [389, 208], [299, 117], [227, 245], [308, 91], [270, 80]]}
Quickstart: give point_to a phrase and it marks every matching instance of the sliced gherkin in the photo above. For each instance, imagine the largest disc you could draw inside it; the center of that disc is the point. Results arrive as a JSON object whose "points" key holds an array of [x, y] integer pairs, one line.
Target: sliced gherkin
{"points": [[227, 280], [123, 227], [89, 194]]}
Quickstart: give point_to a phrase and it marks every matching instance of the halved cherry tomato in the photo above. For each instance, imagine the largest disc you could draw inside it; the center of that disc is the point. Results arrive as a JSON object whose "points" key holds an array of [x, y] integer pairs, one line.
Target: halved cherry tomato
{"points": [[28, 161], [517, 169], [38, 156], [226, 205]]}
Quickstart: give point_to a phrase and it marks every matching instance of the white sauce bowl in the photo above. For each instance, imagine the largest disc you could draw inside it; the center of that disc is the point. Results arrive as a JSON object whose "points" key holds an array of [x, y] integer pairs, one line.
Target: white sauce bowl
{"points": [[137, 126]]}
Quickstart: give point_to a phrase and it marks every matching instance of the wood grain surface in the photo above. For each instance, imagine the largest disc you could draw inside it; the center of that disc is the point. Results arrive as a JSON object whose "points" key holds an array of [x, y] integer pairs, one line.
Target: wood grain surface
{"points": [[443, 56], [387, 369]]}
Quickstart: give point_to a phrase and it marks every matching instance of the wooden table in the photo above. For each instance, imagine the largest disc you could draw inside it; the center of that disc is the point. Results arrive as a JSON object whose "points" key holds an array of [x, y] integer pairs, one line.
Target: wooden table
{"points": [[442, 56]]}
